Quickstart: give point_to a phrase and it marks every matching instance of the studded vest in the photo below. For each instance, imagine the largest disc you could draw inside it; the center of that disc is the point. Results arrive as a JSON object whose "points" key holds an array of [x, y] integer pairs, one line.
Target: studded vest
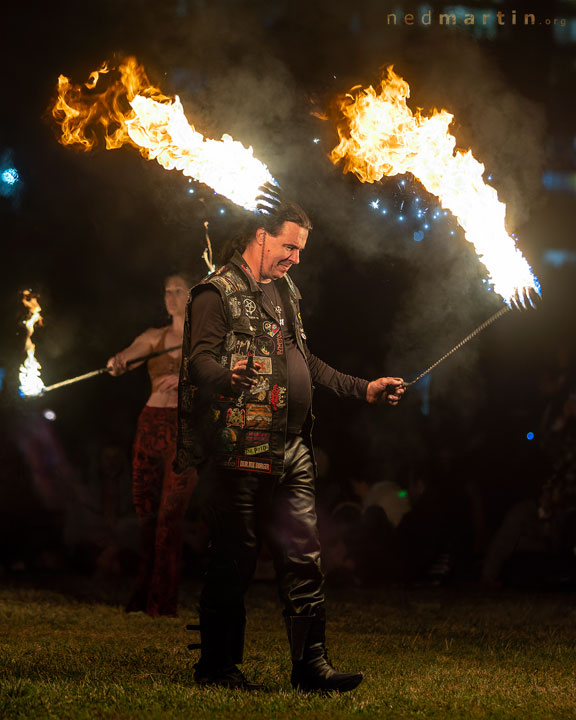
{"points": [[245, 432]]}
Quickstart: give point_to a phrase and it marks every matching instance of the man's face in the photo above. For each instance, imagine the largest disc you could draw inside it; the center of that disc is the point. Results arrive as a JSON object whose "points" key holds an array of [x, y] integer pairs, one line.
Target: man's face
{"points": [[283, 250]]}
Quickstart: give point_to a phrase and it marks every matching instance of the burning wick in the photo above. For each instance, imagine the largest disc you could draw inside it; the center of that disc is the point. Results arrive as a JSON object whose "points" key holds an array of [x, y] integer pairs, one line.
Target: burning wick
{"points": [[30, 380], [379, 135]]}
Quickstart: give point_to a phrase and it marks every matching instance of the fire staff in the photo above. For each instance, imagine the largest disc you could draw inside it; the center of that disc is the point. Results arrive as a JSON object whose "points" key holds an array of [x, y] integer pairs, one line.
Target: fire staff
{"points": [[161, 496], [245, 416]]}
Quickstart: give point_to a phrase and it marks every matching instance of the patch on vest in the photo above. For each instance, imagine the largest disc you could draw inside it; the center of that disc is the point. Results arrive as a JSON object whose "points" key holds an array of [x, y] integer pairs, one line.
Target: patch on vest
{"points": [[265, 345], [262, 365], [235, 417], [259, 465], [271, 328], [260, 390], [258, 416], [226, 440], [235, 307], [251, 308], [278, 397]]}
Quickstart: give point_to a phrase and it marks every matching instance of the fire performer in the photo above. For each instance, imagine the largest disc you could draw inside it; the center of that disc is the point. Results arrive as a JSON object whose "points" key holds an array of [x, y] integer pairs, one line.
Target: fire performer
{"points": [[245, 417], [161, 496]]}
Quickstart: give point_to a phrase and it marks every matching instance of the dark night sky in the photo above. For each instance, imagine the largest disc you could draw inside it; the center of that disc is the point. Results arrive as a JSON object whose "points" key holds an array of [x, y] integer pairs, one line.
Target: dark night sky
{"points": [[95, 234]]}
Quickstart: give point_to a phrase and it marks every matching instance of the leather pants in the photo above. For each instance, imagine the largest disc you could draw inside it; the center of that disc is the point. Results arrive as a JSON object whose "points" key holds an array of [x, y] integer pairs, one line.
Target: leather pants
{"points": [[245, 509]]}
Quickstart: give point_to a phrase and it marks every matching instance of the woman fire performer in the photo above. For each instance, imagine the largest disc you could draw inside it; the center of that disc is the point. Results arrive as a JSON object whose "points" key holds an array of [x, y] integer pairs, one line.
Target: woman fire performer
{"points": [[161, 496]]}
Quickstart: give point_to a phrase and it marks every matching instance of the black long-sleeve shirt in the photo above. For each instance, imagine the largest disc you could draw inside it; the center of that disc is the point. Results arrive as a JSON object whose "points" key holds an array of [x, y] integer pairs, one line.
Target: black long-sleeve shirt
{"points": [[207, 332]]}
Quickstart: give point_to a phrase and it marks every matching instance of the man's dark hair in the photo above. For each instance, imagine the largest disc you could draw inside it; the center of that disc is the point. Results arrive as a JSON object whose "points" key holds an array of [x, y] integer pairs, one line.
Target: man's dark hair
{"points": [[272, 223]]}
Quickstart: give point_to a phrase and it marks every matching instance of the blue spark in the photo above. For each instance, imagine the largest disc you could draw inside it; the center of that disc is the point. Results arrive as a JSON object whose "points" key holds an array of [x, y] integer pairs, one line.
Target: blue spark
{"points": [[418, 236], [426, 227], [191, 191], [316, 141], [384, 211], [451, 232], [375, 204], [222, 211], [10, 176], [401, 218], [530, 436]]}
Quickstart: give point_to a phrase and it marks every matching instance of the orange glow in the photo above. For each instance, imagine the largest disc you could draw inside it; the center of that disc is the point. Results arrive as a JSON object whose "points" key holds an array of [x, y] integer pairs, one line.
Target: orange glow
{"points": [[30, 380], [130, 111], [381, 136]]}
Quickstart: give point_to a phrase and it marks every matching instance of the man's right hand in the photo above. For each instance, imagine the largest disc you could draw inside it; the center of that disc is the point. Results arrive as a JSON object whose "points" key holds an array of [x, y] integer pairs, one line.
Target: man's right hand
{"points": [[243, 377]]}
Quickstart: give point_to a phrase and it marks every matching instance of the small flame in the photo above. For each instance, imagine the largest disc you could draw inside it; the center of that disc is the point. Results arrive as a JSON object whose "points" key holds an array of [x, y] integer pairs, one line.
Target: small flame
{"points": [[130, 111], [381, 136], [30, 380]]}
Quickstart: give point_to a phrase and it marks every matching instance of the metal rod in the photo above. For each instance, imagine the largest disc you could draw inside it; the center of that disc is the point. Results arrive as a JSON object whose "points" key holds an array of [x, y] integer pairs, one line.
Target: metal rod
{"points": [[479, 329], [103, 370]]}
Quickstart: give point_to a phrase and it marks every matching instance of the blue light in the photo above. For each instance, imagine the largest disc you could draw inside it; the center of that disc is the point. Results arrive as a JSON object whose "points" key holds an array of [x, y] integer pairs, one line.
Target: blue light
{"points": [[10, 176], [530, 436], [451, 232], [557, 258], [418, 236], [384, 211], [426, 227], [222, 211], [401, 218], [191, 191], [375, 204], [316, 141]]}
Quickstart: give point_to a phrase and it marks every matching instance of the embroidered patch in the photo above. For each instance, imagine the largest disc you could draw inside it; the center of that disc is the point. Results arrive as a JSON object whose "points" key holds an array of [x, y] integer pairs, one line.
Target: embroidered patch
{"points": [[278, 397], [230, 340], [265, 345], [256, 437], [226, 440], [235, 417], [250, 308], [271, 328], [257, 449], [262, 365], [235, 307], [279, 344], [259, 465], [259, 391], [242, 346], [258, 416]]}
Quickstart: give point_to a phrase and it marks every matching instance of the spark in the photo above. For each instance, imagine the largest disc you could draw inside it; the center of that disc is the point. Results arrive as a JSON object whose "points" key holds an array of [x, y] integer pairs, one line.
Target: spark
{"points": [[375, 204]]}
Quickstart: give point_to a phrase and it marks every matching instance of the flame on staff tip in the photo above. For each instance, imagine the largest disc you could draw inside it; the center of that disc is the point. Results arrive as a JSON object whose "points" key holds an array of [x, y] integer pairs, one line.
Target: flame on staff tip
{"points": [[381, 136], [30, 380], [130, 111]]}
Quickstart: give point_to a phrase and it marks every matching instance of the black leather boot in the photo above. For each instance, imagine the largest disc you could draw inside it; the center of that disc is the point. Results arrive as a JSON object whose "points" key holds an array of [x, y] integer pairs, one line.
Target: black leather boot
{"points": [[222, 648], [311, 670]]}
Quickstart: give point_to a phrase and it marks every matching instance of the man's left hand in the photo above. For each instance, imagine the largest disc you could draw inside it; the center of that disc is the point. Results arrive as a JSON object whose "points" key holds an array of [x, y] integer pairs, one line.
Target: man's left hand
{"points": [[385, 390]]}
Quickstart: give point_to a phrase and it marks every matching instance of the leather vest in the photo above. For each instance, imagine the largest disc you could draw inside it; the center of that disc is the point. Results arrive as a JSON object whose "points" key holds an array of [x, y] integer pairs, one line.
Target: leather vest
{"points": [[245, 432]]}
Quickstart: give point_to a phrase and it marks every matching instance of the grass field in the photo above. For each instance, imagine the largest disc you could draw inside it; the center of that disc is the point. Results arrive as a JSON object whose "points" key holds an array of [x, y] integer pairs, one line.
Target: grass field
{"points": [[439, 654]]}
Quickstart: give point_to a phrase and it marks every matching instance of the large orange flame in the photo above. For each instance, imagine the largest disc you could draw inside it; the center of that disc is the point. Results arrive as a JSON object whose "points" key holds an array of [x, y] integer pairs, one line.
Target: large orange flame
{"points": [[130, 111], [30, 380], [381, 136]]}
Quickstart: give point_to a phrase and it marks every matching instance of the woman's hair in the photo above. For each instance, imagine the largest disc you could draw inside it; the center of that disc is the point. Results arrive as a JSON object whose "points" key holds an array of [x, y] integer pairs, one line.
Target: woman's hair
{"points": [[272, 223], [189, 278]]}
